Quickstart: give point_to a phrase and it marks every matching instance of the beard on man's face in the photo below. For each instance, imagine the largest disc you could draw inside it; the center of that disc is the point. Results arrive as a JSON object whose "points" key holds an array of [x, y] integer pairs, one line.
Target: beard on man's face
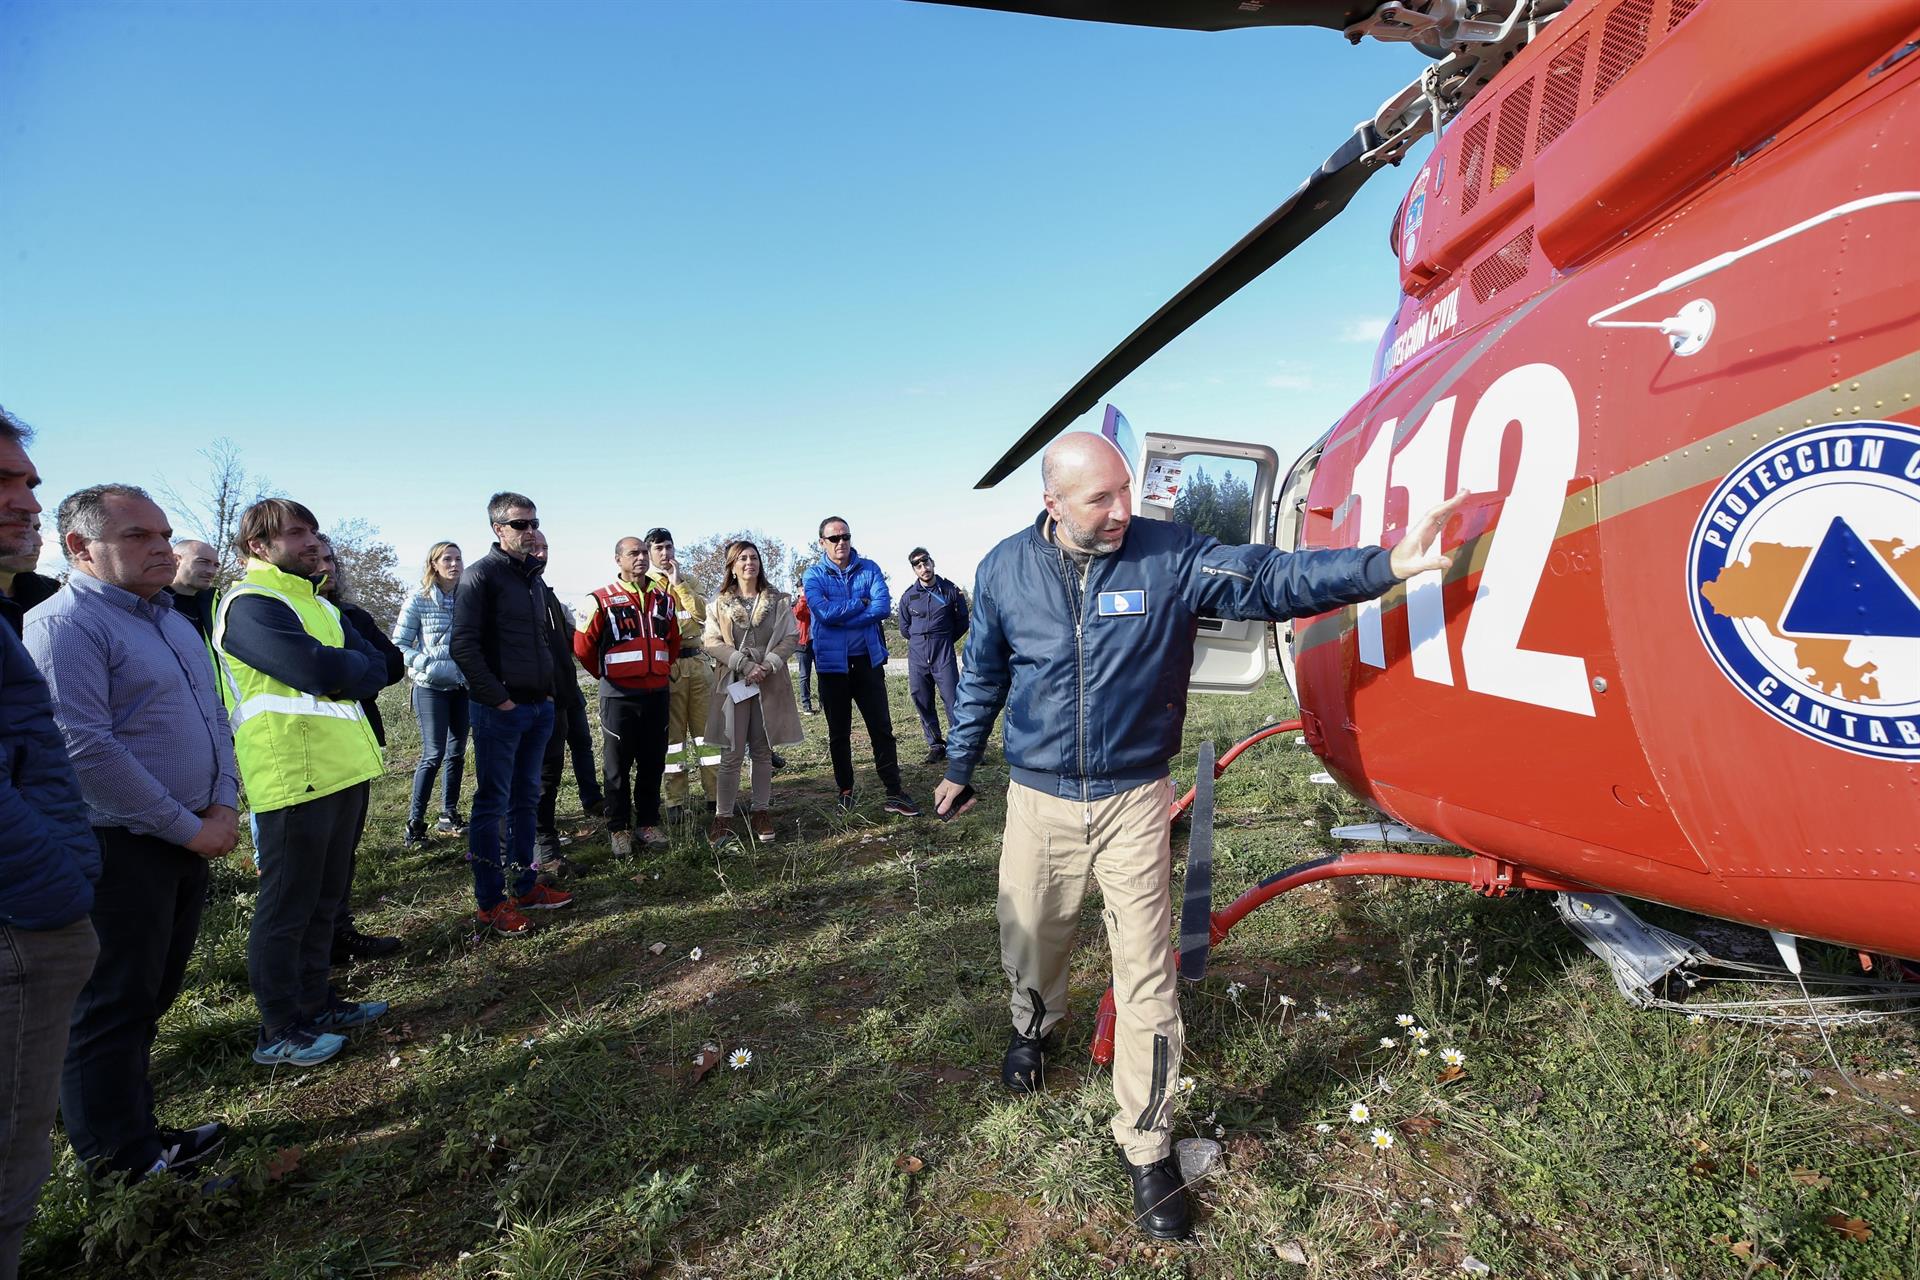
{"points": [[1093, 542]]}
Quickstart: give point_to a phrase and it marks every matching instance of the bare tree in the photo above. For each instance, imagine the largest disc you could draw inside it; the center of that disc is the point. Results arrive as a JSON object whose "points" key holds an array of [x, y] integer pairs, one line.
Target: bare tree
{"points": [[803, 561], [210, 507], [706, 560], [371, 567]]}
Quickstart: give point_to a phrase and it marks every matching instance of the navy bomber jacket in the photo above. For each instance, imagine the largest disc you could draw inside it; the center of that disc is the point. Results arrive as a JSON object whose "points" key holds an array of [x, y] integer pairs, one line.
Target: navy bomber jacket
{"points": [[48, 856], [1094, 676]]}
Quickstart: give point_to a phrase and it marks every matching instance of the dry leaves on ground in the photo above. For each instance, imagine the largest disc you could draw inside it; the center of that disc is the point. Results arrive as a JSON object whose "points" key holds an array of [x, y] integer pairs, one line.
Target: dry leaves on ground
{"points": [[1854, 1229], [283, 1162]]}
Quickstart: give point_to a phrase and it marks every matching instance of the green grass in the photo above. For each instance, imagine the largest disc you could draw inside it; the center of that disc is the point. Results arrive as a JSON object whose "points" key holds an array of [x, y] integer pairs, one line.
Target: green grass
{"points": [[528, 1109]]}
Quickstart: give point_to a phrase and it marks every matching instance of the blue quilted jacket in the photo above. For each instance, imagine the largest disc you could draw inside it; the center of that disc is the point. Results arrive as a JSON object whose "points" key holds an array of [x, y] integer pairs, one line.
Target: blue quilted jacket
{"points": [[848, 606]]}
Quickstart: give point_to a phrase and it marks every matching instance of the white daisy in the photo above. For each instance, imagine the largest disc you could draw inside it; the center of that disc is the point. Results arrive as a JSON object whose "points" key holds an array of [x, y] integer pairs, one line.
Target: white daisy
{"points": [[694, 955], [1388, 1042], [1323, 1128], [1404, 1020], [1287, 1002], [740, 1058], [1380, 1139], [1419, 1035], [1359, 1113], [1321, 1015], [1422, 1052], [1453, 1057]]}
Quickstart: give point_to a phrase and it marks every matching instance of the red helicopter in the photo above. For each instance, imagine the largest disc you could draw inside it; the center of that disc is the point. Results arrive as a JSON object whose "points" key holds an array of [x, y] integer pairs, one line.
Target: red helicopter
{"points": [[1660, 311]]}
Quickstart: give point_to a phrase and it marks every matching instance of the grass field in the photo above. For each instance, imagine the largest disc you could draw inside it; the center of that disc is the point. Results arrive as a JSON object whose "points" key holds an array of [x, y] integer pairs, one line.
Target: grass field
{"points": [[530, 1108]]}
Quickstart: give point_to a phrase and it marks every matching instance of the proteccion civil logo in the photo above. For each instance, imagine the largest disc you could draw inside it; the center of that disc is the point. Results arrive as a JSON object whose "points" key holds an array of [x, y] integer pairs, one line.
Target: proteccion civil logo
{"points": [[1804, 579]]}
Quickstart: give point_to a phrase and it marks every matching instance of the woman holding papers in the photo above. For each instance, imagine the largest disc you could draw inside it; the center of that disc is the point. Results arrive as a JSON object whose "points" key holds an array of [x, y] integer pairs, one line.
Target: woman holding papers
{"points": [[750, 633]]}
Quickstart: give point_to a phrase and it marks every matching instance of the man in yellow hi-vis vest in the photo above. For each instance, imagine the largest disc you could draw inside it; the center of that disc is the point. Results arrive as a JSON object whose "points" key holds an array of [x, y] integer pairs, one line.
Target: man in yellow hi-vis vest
{"points": [[293, 677]]}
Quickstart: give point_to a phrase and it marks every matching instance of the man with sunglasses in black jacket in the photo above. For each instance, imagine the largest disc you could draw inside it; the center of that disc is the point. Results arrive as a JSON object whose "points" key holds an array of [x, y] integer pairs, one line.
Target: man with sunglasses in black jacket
{"points": [[502, 644]]}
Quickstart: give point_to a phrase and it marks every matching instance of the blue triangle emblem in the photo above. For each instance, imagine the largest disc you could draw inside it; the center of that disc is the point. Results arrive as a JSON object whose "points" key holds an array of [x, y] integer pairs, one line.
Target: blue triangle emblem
{"points": [[1848, 590]]}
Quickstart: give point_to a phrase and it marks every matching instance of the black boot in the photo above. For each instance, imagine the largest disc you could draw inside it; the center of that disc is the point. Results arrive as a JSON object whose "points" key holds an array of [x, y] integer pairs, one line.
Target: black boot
{"points": [[1024, 1069], [351, 944], [1159, 1197]]}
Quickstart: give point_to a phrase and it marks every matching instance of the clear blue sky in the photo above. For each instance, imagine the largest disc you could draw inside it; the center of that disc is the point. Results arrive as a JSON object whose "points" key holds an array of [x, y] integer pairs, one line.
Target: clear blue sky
{"points": [[701, 265]]}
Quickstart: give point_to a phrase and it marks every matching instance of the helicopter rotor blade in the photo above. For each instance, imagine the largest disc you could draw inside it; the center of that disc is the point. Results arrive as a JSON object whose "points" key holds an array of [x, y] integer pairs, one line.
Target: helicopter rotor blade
{"points": [[1196, 905], [1188, 15], [1315, 203]]}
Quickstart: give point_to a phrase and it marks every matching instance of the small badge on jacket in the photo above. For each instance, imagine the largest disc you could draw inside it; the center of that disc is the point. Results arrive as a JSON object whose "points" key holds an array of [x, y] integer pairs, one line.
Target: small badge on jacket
{"points": [[1122, 604]]}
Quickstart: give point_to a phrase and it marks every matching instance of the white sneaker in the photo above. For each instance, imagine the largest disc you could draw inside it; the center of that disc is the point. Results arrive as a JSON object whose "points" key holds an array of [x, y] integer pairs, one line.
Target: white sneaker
{"points": [[622, 842]]}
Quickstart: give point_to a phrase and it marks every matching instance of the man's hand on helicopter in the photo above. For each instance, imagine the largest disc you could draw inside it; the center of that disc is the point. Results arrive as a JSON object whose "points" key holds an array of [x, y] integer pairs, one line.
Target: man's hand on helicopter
{"points": [[1412, 555]]}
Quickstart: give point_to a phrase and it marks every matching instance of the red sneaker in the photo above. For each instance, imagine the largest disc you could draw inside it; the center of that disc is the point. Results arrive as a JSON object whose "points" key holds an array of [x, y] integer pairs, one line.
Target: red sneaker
{"points": [[543, 898], [504, 919]]}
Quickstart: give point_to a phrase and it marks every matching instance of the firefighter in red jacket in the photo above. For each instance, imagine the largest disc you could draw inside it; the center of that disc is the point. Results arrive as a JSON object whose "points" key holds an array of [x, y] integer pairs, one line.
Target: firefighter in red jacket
{"points": [[804, 616], [629, 638]]}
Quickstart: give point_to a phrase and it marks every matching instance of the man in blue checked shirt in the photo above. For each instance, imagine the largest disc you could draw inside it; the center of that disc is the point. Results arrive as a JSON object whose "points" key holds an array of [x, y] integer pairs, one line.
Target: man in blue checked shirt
{"points": [[134, 697], [1083, 629]]}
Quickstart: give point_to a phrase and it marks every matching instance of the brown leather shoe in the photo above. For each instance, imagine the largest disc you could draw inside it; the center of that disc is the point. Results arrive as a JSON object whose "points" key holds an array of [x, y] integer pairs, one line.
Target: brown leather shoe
{"points": [[720, 831], [761, 823]]}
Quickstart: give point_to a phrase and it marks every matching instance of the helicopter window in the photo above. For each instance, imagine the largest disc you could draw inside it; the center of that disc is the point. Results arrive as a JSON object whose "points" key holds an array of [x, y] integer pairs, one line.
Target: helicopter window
{"points": [[1217, 497]]}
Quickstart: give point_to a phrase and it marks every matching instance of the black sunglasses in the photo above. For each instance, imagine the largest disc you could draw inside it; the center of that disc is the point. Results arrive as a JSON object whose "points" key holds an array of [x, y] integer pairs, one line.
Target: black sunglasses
{"points": [[921, 563], [521, 526], [835, 537]]}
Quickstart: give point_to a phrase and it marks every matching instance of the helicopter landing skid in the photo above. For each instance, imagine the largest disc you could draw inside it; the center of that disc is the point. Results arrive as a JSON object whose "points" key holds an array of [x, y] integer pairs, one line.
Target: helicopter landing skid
{"points": [[1639, 955], [1647, 962], [1642, 957]]}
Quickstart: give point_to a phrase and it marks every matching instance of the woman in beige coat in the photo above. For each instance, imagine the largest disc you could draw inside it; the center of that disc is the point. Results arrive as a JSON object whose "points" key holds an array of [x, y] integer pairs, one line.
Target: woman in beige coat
{"points": [[751, 633]]}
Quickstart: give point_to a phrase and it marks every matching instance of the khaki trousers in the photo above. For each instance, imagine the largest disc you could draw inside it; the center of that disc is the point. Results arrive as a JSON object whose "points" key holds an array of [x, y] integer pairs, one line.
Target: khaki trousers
{"points": [[689, 691], [1050, 848]]}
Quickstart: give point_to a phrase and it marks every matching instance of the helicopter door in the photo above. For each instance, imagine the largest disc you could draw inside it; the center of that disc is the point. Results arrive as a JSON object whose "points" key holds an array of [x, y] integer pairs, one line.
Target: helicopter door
{"points": [[1223, 488]]}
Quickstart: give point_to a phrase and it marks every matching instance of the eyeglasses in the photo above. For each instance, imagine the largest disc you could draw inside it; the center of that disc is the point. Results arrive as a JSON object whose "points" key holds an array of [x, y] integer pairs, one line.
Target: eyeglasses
{"points": [[921, 563], [521, 526], [835, 538]]}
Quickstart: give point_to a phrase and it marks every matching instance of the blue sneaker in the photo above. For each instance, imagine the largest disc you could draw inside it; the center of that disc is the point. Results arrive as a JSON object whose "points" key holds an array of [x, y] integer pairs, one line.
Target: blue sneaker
{"points": [[342, 1014], [297, 1047]]}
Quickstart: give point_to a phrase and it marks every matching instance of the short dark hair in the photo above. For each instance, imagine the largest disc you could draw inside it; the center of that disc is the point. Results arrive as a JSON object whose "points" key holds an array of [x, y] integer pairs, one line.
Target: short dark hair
{"points": [[917, 552], [84, 511], [504, 501], [14, 431], [656, 534], [263, 521], [832, 520]]}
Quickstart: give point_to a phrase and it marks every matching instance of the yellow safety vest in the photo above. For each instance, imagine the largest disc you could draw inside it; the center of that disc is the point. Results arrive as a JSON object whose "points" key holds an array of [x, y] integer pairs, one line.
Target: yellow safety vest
{"points": [[291, 746]]}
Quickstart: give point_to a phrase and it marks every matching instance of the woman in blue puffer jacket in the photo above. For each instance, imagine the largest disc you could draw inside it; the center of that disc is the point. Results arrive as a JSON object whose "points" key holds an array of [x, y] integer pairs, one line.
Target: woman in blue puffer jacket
{"points": [[439, 693]]}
